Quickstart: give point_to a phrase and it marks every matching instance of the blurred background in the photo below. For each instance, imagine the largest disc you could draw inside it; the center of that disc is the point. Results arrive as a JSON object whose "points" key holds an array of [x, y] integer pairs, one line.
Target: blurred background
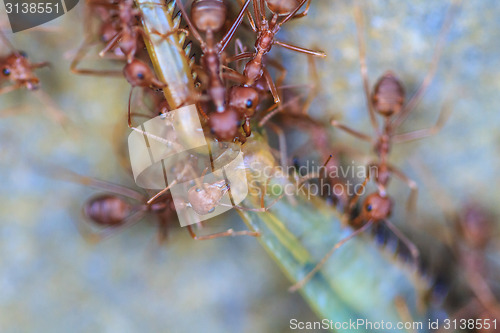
{"points": [[52, 280]]}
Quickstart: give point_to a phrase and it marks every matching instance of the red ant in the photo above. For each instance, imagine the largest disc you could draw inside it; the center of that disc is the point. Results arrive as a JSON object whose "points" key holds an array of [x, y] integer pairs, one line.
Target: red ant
{"points": [[387, 100], [209, 17], [267, 29], [109, 27], [18, 70], [127, 37], [113, 211]]}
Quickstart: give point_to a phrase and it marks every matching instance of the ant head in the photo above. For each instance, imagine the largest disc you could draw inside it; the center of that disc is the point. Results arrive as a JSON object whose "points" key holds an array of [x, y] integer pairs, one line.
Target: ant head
{"points": [[282, 7], [204, 198], [244, 100], [209, 15], [17, 69], [389, 95], [476, 225], [225, 125], [376, 207], [107, 210], [138, 74]]}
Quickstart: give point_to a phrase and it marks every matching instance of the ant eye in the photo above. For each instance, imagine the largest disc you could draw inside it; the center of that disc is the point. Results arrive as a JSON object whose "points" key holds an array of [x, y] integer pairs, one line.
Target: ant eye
{"points": [[6, 71], [140, 76], [369, 208], [23, 54], [198, 190], [249, 103]]}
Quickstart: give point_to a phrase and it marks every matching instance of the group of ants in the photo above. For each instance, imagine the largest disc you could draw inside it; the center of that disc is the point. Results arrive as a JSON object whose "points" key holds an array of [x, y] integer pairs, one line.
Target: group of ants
{"points": [[233, 102]]}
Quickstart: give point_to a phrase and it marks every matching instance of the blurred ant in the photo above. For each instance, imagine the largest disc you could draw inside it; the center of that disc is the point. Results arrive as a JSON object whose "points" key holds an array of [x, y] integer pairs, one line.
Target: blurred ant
{"points": [[18, 71], [113, 211], [127, 37], [470, 235], [106, 12], [267, 29], [387, 100], [209, 16], [376, 209]]}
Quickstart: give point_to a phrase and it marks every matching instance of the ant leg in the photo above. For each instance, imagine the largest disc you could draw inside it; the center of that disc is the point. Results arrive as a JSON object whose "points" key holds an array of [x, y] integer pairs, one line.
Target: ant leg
{"points": [[432, 68], [82, 51], [272, 86], [233, 75], [283, 71], [230, 33], [292, 14], [304, 13], [358, 17], [40, 65], [323, 260], [159, 194], [351, 131], [313, 92], [282, 144], [419, 134], [227, 233], [192, 28], [260, 13], [187, 168], [71, 176], [412, 199], [276, 108], [8, 89], [53, 111], [300, 49], [241, 56], [250, 18], [129, 102], [112, 43], [98, 236], [415, 253]]}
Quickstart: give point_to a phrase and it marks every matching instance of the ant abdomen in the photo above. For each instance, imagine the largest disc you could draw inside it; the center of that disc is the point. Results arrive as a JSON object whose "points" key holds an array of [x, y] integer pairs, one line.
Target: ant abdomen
{"points": [[107, 210], [282, 7], [209, 15], [389, 95]]}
